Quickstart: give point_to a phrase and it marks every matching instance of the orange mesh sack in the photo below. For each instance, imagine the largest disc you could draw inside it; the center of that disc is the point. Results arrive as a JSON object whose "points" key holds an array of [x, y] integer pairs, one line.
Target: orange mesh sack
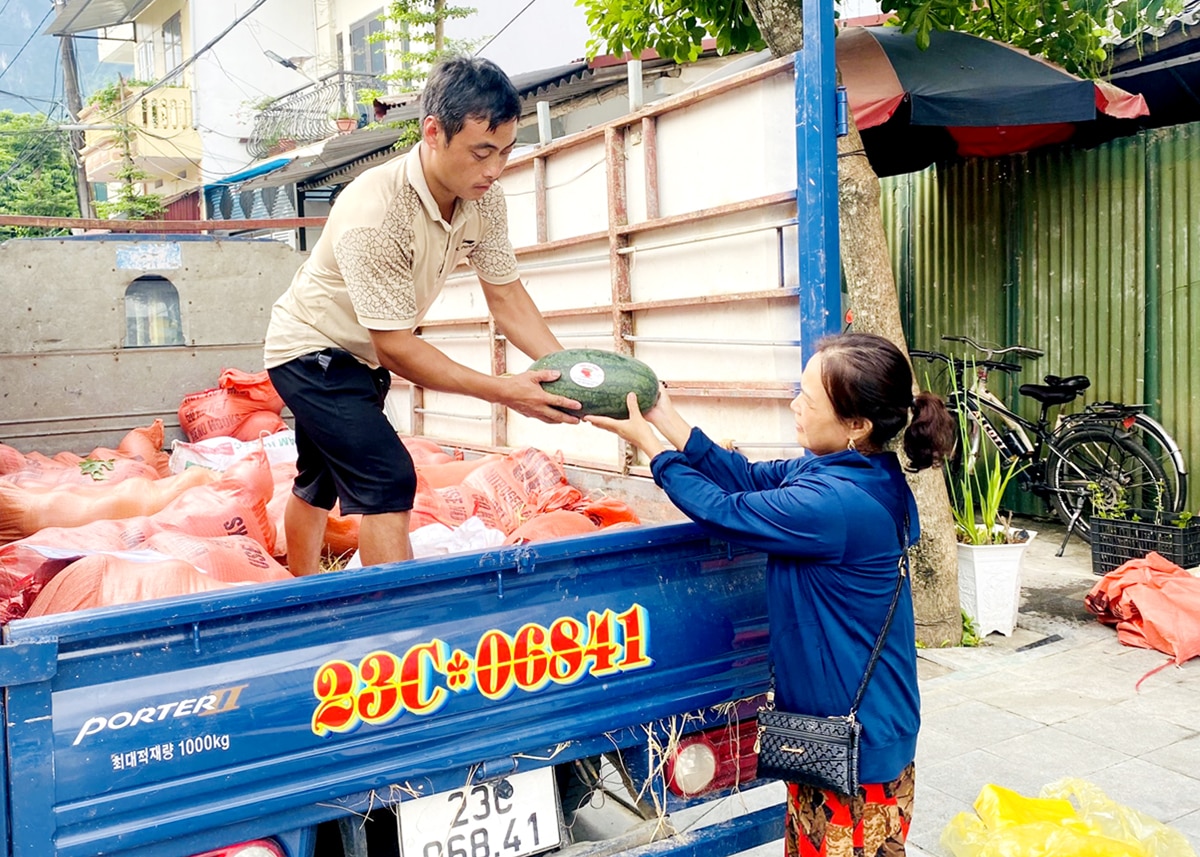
{"points": [[254, 387], [515, 486], [219, 411], [29, 564], [236, 504], [449, 473], [104, 580], [26, 511], [450, 506], [558, 524], [425, 451], [230, 559], [11, 460], [146, 444], [607, 511], [258, 424], [43, 472]]}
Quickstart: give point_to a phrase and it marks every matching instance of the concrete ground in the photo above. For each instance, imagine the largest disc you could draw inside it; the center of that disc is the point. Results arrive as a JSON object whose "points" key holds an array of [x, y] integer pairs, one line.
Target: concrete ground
{"points": [[1057, 698]]}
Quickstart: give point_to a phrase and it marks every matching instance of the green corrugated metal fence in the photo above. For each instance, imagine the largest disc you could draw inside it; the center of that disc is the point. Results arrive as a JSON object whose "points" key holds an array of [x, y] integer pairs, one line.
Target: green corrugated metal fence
{"points": [[1090, 255]]}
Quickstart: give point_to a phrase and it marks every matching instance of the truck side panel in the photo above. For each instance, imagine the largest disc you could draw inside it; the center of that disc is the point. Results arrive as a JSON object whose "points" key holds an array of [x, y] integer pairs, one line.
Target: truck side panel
{"points": [[209, 719]]}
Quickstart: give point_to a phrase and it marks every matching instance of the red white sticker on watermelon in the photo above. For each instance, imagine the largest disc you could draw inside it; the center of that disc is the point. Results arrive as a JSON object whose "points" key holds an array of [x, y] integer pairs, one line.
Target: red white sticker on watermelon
{"points": [[587, 375]]}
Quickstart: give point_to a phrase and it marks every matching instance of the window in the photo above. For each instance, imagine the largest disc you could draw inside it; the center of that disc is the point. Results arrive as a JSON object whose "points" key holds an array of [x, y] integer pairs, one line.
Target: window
{"points": [[152, 313], [143, 66], [172, 34], [367, 57]]}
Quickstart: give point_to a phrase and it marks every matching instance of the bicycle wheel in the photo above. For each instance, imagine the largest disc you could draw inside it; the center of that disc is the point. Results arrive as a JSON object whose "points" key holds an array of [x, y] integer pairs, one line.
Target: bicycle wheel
{"points": [[1158, 443], [1092, 468]]}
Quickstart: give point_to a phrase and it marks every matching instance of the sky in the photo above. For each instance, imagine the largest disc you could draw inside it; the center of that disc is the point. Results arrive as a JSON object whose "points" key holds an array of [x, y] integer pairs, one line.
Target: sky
{"points": [[528, 35], [539, 33], [29, 65]]}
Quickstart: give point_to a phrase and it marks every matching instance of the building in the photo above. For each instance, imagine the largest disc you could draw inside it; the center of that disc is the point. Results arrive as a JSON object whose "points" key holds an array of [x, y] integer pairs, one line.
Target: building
{"points": [[218, 86]]}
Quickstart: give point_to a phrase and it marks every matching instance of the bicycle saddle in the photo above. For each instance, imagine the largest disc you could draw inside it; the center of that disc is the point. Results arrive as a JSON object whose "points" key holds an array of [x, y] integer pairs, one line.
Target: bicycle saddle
{"points": [[1056, 390]]}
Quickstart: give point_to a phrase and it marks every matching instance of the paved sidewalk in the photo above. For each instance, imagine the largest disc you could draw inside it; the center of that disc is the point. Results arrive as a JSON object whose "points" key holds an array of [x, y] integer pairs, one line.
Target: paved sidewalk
{"points": [[1056, 699]]}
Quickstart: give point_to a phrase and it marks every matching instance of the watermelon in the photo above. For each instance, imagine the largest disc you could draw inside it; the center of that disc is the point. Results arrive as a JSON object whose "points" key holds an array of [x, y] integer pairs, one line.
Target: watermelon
{"points": [[600, 381]]}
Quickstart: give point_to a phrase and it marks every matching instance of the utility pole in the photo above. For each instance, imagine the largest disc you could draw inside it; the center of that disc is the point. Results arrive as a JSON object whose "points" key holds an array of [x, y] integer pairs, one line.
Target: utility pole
{"points": [[74, 107]]}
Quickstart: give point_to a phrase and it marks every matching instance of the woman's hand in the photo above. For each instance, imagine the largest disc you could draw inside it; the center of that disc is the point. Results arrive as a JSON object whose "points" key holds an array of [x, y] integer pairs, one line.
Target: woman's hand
{"points": [[635, 430], [667, 420]]}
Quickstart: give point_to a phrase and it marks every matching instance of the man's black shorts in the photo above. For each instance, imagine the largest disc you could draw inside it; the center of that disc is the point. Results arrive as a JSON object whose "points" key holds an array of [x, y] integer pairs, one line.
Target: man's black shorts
{"points": [[348, 451]]}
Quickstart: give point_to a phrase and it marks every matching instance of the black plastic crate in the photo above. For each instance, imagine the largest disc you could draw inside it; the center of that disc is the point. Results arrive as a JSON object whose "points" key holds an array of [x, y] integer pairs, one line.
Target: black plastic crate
{"points": [[1116, 541]]}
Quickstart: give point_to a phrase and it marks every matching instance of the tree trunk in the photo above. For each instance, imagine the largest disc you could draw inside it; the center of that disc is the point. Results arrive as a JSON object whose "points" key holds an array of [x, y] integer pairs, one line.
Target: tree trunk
{"points": [[875, 304], [780, 23], [867, 266]]}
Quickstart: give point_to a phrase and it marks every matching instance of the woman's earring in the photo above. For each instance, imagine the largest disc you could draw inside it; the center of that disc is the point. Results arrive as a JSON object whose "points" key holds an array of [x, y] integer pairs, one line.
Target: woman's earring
{"points": [[850, 444]]}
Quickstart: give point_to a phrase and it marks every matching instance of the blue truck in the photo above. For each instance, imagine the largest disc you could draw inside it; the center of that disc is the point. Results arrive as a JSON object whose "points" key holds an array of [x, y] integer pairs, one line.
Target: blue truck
{"points": [[474, 704], [583, 696]]}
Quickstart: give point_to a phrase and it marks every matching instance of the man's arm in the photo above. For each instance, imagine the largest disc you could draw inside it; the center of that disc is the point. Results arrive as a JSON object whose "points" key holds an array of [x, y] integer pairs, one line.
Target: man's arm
{"points": [[409, 356], [518, 318]]}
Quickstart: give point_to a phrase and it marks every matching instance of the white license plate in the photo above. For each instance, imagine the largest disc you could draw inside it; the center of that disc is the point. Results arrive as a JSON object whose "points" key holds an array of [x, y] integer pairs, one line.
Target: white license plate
{"points": [[476, 821]]}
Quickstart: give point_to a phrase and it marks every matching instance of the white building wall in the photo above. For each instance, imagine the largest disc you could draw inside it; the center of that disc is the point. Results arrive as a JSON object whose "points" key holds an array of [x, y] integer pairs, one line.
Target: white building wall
{"points": [[229, 79]]}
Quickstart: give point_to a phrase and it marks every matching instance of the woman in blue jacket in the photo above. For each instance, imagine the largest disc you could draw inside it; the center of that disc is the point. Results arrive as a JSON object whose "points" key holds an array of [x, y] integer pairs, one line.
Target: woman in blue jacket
{"points": [[831, 523]]}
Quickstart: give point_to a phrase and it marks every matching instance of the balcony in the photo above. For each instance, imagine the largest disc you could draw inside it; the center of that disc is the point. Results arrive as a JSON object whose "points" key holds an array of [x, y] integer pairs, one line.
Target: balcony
{"points": [[162, 141], [305, 115]]}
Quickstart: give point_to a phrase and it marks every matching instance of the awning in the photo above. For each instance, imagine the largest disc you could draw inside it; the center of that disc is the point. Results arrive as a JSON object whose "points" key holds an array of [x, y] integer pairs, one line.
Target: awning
{"points": [[358, 150], [82, 16], [256, 170]]}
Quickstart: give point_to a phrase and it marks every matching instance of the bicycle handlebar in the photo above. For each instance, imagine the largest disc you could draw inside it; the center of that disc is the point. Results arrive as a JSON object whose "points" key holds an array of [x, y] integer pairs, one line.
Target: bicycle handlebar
{"points": [[1018, 350], [959, 365]]}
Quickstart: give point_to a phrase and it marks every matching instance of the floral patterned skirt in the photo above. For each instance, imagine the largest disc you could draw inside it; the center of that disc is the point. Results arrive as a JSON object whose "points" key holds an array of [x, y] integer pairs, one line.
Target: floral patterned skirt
{"points": [[872, 823]]}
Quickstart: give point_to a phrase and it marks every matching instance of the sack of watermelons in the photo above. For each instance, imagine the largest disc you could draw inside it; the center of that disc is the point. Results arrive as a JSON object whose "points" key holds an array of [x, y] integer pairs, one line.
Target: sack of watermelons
{"points": [[243, 405], [600, 381]]}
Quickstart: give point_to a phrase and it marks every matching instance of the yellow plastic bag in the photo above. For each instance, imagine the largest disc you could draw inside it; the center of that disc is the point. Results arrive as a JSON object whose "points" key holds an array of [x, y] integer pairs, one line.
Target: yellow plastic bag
{"points": [[1071, 818]]}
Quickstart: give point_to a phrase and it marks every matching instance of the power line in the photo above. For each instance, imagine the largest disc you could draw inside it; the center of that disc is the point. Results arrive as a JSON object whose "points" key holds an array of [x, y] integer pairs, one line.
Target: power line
{"points": [[511, 21], [175, 72], [13, 61]]}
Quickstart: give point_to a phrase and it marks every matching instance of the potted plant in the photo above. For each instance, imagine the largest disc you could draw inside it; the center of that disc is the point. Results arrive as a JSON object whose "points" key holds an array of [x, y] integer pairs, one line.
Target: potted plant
{"points": [[990, 549], [346, 121]]}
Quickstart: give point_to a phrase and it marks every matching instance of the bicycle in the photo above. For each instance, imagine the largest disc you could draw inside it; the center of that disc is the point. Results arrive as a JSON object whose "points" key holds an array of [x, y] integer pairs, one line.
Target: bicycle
{"points": [[1105, 459]]}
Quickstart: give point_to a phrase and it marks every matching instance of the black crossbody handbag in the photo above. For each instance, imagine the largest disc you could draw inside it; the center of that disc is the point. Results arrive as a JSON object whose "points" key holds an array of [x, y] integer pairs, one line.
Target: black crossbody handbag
{"points": [[821, 751]]}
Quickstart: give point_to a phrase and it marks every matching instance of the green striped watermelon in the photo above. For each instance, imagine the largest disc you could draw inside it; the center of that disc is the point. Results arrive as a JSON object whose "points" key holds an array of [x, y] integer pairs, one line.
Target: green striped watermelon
{"points": [[600, 380]]}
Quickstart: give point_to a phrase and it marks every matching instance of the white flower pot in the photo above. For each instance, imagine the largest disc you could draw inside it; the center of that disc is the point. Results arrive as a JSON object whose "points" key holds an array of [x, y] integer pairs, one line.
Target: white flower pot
{"points": [[989, 584]]}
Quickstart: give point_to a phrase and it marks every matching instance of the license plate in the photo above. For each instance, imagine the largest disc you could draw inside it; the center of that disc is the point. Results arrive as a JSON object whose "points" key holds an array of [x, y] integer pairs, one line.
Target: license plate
{"points": [[483, 820]]}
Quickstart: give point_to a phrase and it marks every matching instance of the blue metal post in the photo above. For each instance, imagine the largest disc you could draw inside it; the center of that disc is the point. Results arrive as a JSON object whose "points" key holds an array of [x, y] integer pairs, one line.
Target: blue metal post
{"points": [[816, 178]]}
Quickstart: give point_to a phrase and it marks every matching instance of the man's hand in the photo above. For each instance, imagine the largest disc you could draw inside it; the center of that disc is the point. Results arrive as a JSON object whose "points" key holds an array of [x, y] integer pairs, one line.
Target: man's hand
{"points": [[525, 395]]}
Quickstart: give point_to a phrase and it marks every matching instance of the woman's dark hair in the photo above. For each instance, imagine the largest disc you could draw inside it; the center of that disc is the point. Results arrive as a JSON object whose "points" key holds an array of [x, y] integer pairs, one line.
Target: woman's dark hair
{"points": [[868, 377], [462, 88]]}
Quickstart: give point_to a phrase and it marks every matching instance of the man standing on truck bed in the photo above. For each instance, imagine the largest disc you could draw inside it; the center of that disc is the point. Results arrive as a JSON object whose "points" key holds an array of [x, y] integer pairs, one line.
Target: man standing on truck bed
{"points": [[391, 240]]}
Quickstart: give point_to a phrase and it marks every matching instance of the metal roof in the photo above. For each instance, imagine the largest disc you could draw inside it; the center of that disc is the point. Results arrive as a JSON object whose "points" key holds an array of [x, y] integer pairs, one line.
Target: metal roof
{"points": [[82, 16], [552, 85], [345, 155]]}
